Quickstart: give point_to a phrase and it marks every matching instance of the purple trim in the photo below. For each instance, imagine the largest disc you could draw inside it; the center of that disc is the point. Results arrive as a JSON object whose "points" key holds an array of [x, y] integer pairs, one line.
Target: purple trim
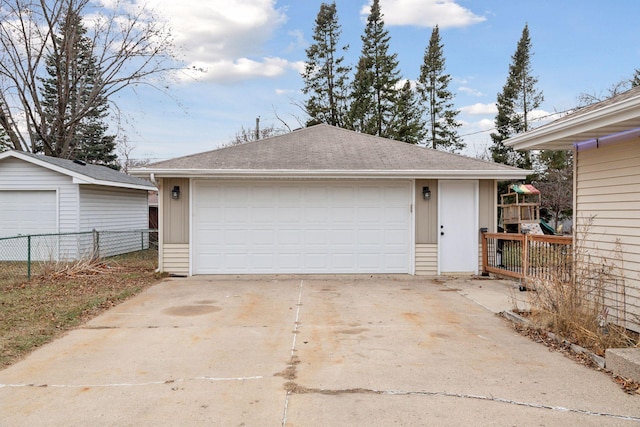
{"points": [[607, 140]]}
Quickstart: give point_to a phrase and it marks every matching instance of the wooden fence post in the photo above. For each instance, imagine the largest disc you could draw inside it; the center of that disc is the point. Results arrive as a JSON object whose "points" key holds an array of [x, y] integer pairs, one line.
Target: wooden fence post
{"points": [[525, 257], [485, 252]]}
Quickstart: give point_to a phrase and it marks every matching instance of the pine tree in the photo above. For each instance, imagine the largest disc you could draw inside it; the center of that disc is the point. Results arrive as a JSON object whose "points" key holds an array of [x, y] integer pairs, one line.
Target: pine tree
{"points": [[635, 80], [518, 99], [434, 90], [374, 90], [408, 125], [325, 77], [74, 109]]}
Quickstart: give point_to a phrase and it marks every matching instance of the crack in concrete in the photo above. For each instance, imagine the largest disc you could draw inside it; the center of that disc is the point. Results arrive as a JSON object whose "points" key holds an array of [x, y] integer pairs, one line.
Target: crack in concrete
{"points": [[171, 381], [293, 388], [291, 371]]}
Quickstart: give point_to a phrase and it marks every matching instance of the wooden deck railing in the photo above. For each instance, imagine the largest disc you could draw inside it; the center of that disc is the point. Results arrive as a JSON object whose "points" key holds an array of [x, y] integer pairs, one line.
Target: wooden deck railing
{"points": [[527, 256]]}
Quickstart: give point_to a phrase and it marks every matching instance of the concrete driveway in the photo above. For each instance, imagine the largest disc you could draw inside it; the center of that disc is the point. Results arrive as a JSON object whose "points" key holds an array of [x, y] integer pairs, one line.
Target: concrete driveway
{"points": [[305, 351]]}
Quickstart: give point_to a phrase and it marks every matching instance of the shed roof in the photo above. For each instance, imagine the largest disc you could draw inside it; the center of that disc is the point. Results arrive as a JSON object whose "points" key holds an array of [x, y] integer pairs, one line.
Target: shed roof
{"points": [[323, 150], [612, 116], [83, 173]]}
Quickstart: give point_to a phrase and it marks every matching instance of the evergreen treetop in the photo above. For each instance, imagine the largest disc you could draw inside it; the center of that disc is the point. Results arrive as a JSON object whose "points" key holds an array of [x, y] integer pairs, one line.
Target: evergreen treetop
{"points": [[74, 106], [433, 85], [374, 90], [325, 75], [519, 97]]}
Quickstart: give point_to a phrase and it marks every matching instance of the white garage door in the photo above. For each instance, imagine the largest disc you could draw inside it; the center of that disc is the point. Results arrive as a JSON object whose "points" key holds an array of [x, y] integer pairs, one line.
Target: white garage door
{"points": [[27, 212], [301, 227]]}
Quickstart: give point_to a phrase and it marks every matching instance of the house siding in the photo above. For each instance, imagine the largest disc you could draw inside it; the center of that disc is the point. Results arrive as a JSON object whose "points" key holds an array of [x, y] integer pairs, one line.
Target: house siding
{"points": [[426, 228], [426, 212], [488, 207], [607, 207], [488, 204], [105, 208], [176, 212], [175, 258], [426, 259], [110, 209]]}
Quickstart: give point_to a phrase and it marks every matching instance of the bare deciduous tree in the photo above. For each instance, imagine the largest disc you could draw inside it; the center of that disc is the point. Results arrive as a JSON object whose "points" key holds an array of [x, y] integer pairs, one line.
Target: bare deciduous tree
{"points": [[248, 135], [125, 148], [130, 46], [556, 188]]}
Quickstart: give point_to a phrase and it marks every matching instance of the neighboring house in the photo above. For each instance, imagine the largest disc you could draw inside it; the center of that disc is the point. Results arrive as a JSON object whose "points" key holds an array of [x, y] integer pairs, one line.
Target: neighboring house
{"points": [[324, 200], [605, 141], [153, 210], [46, 195]]}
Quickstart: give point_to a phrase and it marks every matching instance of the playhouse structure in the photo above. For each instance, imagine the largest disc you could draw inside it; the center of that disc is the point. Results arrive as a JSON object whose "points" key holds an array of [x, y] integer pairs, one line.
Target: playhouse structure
{"points": [[519, 209]]}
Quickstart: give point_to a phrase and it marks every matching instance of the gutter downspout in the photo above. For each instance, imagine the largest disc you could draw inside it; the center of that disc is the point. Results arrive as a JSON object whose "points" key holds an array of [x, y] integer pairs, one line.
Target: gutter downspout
{"points": [[152, 177]]}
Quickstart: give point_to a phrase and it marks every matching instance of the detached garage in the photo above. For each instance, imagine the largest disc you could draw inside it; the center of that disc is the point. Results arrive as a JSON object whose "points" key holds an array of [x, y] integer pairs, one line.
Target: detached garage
{"points": [[46, 195], [324, 200]]}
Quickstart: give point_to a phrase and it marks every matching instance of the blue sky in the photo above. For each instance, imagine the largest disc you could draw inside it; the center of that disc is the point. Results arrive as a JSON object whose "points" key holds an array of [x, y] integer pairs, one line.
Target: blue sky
{"points": [[253, 51]]}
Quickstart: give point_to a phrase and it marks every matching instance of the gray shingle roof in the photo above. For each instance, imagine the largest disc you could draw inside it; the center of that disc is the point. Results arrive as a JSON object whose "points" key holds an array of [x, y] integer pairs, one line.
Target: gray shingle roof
{"points": [[95, 172], [325, 147]]}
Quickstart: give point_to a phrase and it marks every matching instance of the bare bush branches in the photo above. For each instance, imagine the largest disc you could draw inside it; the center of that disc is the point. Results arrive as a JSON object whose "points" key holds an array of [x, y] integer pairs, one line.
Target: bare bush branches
{"points": [[131, 46]]}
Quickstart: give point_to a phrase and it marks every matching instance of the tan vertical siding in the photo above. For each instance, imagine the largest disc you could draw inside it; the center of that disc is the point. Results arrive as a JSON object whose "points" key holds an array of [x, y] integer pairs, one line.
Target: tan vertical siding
{"points": [[427, 212], [175, 259], [426, 259], [488, 204], [175, 212], [607, 204]]}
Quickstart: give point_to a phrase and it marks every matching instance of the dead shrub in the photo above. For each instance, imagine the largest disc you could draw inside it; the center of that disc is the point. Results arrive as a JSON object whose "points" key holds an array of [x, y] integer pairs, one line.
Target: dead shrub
{"points": [[590, 308]]}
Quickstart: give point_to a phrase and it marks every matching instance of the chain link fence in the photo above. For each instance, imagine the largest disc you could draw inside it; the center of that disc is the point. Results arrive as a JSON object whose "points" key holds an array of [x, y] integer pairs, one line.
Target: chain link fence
{"points": [[25, 256]]}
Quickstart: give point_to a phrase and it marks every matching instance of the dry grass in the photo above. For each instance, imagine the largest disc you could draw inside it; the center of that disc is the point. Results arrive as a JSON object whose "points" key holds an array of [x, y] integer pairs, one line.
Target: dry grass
{"points": [[576, 310], [64, 296], [570, 311]]}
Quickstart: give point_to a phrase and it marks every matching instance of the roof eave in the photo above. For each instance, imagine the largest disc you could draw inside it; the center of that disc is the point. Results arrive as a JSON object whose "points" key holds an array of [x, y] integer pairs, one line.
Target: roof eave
{"points": [[561, 134], [90, 181], [76, 177], [328, 174]]}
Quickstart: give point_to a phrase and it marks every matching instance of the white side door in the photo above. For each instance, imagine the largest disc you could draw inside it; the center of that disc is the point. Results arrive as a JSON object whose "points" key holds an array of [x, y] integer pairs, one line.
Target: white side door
{"points": [[458, 226]]}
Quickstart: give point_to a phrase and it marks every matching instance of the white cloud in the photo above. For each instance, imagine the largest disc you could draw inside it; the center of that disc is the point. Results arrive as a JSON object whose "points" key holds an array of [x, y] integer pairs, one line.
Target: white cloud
{"points": [[485, 124], [425, 13], [298, 40], [226, 37], [541, 116], [470, 91], [230, 71], [480, 109]]}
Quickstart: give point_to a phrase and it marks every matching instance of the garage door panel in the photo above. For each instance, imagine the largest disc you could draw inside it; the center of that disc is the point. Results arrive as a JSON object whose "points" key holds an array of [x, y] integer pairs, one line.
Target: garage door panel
{"points": [[394, 261], [263, 215], [395, 215], [289, 261], [263, 262], [262, 237], [28, 212], [342, 237], [263, 195], [316, 261], [318, 215], [395, 238], [302, 227], [343, 215], [291, 215]]}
